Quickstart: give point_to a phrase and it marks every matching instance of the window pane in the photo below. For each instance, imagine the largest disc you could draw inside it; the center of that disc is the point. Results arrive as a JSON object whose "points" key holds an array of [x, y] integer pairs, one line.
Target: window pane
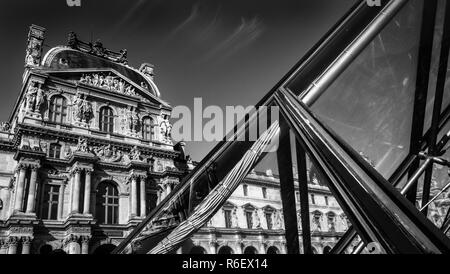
{"points": [[370, 105]]}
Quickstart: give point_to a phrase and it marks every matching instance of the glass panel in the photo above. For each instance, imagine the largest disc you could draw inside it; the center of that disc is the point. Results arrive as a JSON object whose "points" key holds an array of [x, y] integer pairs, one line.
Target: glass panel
{"points": [[446, 98], [371, 104], [437, 40]]}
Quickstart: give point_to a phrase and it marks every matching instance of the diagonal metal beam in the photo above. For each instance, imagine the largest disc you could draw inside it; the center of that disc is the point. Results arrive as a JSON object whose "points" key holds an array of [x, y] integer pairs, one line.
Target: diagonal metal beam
{"points": [[304, 198], [287, 190], [376, 209], [422, 79], [440, 87]]}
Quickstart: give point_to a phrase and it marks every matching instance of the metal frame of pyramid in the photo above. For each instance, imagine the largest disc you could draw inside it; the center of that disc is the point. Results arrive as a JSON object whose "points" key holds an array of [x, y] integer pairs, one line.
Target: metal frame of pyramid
{"points": [[378, 211]]}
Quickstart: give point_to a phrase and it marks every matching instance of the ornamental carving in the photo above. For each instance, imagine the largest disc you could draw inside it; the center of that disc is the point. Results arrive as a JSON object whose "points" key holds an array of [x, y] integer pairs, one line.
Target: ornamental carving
{"points": [[34, 47], [166, 130], [5, 126], [148, 71], [108, 153], [34, 98], [21, 230], [97, 49], [108, 82], [135, 154], [82, 145], [82, 109]]}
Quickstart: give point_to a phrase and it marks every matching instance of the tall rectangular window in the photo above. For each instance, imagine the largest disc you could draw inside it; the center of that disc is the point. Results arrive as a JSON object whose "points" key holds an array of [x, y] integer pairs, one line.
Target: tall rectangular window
{"points": [[264, 192], [313, 201], [326, 200], [245, 189], [269, 220], [50, 202], [54, 151], [227, 215], [58, 109], [249, 218]]}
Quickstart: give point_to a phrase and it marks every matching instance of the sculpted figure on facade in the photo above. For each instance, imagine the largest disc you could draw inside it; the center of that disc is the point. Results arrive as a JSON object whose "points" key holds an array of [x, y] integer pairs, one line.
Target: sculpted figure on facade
{"points": [[108, 82], [67, 151], [255, 219], [82, 109], [135, 154], [148, 71], [34, 98], [123, 57], [278, 224], [33, 52], [82, 145], [234, 218], [166, 129], [31, 97], [108, 153], [40, 98], [135, 121]]}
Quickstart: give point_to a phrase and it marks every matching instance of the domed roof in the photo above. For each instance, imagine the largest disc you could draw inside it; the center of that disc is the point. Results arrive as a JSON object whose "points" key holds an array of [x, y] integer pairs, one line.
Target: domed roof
{"points": [[62, 58]]}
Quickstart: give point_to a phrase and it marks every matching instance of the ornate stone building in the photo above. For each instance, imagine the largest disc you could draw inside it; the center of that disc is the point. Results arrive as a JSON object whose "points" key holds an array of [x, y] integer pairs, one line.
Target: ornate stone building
{"points": [[86, 152], [251, 222]]}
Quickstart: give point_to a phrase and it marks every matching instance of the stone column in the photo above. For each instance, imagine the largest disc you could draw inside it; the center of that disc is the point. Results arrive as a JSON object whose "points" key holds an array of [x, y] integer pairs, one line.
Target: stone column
{"points": [[12, 245], [133, 195], [61, 201], [262, 248], [283, 248], [26, 243], [143, 197], [20, 188], [32, 190], [87, 193], [239, 247], [71, 242], [76, 192], [213, 247], [85, 245]]}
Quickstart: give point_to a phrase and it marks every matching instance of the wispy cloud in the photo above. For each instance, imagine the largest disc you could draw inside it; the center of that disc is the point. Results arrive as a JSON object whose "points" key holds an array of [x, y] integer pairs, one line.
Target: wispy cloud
{"points": [[127, 16], [192, 16], [245, 34]]}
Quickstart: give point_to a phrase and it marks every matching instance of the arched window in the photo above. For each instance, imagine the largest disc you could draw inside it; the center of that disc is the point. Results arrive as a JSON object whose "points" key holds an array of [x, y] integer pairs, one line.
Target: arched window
{"points": [[107, 203], [249, 211], [273, 250], [268, 214], [106, 122], [54, 151], [225, 250], [250, 250], [147, 129], [58, 109], [197, 250]]}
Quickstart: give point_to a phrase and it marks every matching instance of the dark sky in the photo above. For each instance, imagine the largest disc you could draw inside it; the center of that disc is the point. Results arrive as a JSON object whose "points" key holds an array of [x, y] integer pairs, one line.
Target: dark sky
{"points": [[226, 52]]}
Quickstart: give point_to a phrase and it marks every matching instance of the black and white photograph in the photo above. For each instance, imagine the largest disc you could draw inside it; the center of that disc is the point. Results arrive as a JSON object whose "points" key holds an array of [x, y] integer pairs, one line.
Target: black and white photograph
{"points": [[224, 135]]}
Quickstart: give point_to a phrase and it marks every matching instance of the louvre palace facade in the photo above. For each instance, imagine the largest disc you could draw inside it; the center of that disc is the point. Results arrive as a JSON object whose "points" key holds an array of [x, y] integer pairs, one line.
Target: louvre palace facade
{"points": [[87, 153]]}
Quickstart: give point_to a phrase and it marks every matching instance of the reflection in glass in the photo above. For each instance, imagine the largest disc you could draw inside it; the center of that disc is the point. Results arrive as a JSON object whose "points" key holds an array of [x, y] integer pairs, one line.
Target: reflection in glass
{"points": [[371, 104]]}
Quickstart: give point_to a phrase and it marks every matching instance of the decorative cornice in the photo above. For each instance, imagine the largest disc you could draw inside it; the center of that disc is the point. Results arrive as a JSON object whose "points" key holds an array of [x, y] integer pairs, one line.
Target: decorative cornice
{"points": [[73, 137]]}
